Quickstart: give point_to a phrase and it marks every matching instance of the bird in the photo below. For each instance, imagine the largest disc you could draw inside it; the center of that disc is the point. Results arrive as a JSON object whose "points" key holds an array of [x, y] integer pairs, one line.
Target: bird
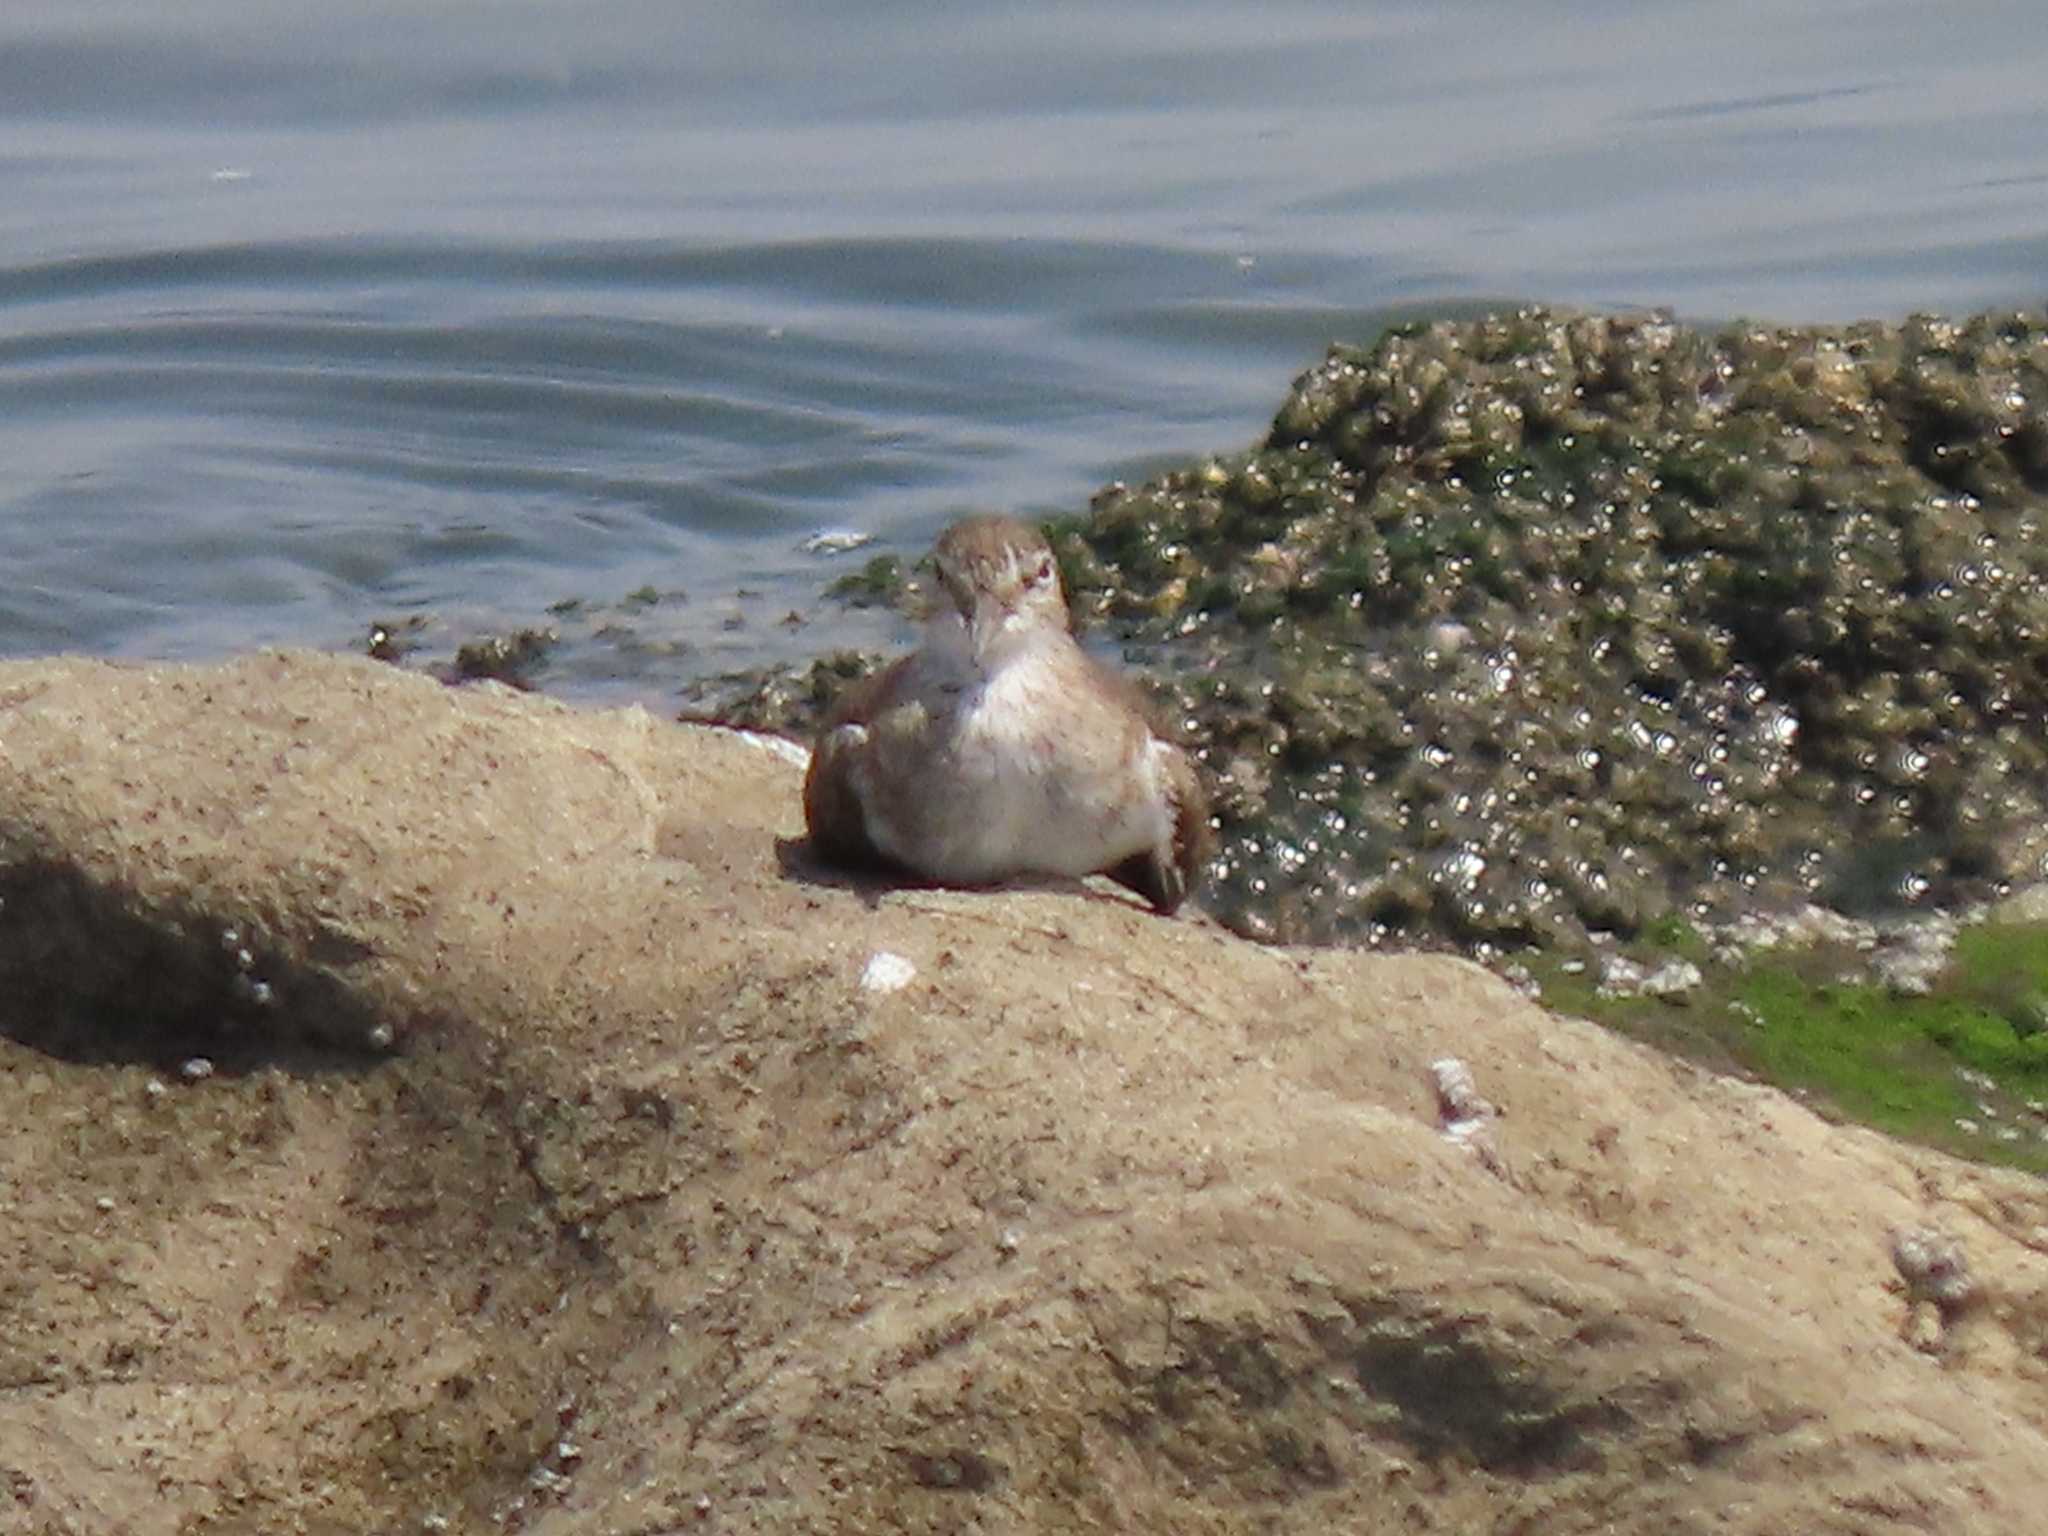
{"points": [[1000, 748]]}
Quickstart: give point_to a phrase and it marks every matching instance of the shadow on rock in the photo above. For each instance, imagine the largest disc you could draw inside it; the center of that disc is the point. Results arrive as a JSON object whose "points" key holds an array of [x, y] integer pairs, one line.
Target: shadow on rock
{"points": [[87, 978]]}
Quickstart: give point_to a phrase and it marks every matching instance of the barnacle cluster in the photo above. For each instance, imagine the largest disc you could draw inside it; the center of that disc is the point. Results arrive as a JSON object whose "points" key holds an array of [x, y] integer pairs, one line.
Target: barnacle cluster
{"points": [[1517, 630]]}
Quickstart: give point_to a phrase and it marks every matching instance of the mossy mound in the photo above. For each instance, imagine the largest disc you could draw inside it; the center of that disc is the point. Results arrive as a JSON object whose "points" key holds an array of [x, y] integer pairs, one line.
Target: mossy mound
{"points": [[1522, 629]]}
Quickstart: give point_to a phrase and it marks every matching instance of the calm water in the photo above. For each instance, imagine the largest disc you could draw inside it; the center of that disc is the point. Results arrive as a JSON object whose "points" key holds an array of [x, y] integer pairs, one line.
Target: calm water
{"points": [[317, 314]]}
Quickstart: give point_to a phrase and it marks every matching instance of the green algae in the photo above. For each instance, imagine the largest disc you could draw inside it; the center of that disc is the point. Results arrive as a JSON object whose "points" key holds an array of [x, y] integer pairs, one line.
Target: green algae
{"points": [[1959, 1069], [879, 582]]}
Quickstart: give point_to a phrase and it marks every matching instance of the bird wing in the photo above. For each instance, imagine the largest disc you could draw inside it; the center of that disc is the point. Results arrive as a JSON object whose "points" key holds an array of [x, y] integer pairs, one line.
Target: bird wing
{"points": [[834, 813]]}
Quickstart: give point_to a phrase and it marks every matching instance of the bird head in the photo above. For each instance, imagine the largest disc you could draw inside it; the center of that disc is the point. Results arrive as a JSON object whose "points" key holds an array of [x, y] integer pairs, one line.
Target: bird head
{"points": [[999, 586]]}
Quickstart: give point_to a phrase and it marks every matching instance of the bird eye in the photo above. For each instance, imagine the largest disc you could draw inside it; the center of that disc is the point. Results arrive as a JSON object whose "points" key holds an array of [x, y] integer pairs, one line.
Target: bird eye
{"points": [[1043, 574]]}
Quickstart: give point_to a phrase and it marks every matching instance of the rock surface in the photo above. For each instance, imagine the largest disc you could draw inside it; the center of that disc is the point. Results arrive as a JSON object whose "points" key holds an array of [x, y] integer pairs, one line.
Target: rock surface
{"points": [[556, 1172]]}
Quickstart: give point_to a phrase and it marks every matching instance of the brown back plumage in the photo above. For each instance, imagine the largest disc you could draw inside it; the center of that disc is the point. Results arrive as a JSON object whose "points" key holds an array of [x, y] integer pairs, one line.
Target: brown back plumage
{"points": [[833, 814]]}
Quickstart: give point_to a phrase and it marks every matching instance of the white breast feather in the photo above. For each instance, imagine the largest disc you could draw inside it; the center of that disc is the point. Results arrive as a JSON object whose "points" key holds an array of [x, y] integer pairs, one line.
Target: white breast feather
{"points": [[1027, 781]]}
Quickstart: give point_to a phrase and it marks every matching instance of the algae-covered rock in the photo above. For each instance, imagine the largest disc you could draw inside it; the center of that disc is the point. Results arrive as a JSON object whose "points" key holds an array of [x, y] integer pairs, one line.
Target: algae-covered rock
{"points": [[1540, 624]]}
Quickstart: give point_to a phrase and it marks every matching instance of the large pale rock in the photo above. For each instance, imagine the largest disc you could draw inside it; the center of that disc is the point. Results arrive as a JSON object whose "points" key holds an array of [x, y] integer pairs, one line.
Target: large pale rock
{"points": [[557, 1169]]}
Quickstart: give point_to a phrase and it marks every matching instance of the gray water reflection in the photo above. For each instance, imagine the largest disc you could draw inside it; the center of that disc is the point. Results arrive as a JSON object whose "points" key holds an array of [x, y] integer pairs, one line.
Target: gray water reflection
{"points": [[314, 314]]}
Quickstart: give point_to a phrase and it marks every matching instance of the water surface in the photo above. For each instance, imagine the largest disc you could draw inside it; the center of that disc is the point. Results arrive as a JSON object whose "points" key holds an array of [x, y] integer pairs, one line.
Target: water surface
{"points": [[318, 314]]}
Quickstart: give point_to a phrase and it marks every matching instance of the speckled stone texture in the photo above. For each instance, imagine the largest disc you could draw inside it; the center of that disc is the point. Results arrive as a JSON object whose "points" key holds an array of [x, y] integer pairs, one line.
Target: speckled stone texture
{"points": [[570, 1180]]}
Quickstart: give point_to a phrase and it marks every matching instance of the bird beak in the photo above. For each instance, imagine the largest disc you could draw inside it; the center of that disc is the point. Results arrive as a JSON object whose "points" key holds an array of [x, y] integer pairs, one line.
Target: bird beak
{"points": [[985, 618], [957, 597]]}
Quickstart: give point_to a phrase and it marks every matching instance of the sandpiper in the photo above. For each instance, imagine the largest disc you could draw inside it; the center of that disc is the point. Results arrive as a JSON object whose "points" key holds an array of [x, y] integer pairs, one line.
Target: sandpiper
{"points": [[1000, 747]]}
